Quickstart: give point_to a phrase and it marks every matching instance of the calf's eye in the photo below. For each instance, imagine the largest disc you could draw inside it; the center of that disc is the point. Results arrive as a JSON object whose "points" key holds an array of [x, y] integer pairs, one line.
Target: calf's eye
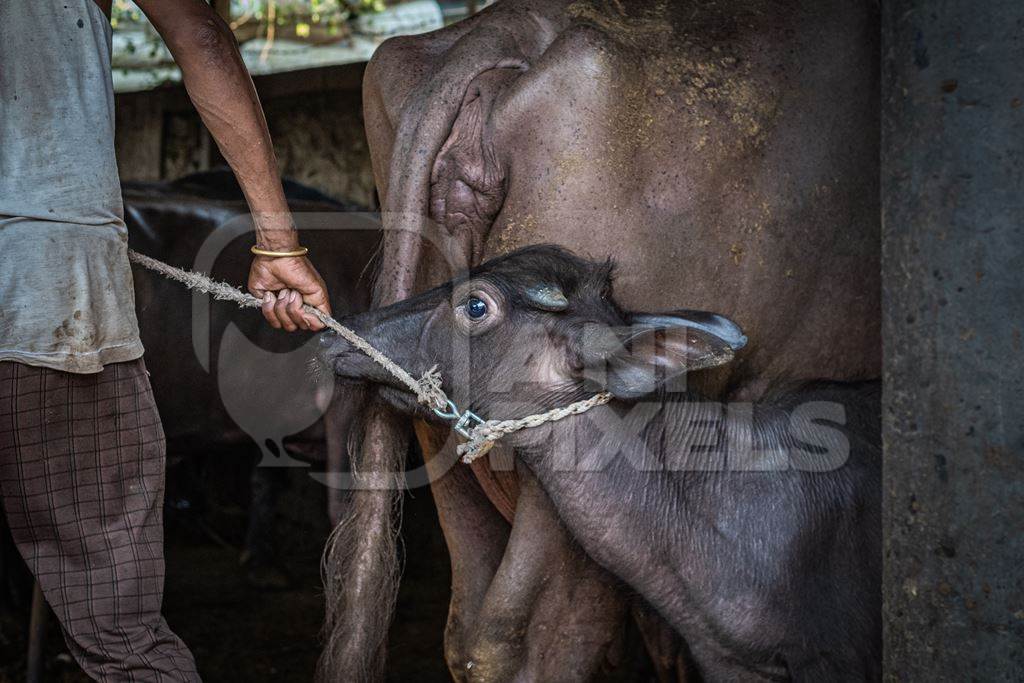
{"points": [[475, 308]]}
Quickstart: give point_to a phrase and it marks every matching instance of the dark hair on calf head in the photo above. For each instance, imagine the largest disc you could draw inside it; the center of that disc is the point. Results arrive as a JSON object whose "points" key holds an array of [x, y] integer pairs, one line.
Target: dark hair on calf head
{"points": [[548, 264]]}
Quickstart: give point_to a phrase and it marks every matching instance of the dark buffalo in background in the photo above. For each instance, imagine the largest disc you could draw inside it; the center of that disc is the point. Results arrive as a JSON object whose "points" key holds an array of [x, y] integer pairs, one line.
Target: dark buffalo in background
{"points": [[221, 376]]}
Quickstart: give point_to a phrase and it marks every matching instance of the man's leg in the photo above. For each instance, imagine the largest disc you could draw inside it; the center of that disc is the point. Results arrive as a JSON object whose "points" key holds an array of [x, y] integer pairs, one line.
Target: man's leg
{"points": [[82, 482]]}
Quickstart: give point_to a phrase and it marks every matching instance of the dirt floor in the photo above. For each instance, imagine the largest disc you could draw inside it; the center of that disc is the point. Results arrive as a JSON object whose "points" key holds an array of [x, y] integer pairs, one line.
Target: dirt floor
{"points": [[239, 633]]}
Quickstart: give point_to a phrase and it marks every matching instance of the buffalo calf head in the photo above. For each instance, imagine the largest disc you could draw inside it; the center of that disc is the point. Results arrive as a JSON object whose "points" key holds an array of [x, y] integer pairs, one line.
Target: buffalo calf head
{"points": [[537, 328]]}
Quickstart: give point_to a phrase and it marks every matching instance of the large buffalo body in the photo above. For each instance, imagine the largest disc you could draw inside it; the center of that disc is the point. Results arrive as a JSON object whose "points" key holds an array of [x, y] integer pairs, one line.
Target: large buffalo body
{"points": [[724, 153], [753, 528]]}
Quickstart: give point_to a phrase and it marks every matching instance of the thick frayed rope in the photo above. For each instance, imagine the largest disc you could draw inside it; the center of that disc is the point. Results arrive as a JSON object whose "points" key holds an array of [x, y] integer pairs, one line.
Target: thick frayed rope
{"points": [[427, 388], [483, 436]]}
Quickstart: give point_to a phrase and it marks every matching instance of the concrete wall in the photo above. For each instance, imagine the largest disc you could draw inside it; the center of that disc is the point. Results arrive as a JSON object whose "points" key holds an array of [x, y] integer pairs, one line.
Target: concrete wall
{"points": [[953, 274], [315, 118]]}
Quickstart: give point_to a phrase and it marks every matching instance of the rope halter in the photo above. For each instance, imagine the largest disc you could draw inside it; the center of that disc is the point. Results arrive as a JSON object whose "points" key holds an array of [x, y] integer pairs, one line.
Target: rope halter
{"points": [[483, 436]]}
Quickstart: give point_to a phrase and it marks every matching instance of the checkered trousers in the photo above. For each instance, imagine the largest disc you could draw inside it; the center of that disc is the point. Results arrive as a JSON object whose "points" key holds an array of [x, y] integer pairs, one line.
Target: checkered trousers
{"points": [[82, 483]]}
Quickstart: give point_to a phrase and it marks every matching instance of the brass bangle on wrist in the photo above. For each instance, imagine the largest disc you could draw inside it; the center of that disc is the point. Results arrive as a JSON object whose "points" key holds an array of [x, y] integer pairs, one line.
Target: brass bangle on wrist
{"points": [[301, 251]]}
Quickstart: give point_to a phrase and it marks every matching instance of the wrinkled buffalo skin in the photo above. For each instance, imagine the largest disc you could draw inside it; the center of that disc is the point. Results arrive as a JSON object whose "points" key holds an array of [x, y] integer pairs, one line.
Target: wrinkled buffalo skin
{"points": [[724, 153]]}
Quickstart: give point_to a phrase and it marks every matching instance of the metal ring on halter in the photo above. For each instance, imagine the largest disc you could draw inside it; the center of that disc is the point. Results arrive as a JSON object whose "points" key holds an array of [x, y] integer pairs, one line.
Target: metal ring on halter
{"points": [[464, 422], [467, 422], [452, 411]]}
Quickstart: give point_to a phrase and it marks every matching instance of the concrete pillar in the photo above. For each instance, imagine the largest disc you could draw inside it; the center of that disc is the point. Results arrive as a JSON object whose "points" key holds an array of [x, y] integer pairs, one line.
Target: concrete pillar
{"points": [[953, 273]]}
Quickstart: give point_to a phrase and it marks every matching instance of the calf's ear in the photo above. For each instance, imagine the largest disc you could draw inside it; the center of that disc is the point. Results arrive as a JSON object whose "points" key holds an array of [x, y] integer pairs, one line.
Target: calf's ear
{"points": [[657, 348]]}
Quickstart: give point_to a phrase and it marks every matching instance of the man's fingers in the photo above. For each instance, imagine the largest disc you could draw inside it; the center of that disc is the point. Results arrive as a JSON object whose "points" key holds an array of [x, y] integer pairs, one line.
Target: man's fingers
{"points": [[301, 284], [268, 310], [295, 310], [281, 310], [317, 300], [324, 304], [312, 322]]}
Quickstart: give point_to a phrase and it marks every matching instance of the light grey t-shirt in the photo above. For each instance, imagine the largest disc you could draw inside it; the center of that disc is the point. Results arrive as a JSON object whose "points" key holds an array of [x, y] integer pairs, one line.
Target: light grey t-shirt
{"points": [[66, 296]]}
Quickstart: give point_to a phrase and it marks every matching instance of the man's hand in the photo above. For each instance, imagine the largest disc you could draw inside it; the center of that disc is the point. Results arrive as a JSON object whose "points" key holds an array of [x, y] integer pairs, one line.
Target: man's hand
{"points": [[285, 284], [220, 87]]}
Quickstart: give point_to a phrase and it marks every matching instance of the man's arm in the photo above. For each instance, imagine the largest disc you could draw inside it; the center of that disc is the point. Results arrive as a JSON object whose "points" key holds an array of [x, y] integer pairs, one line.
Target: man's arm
{"points": [[220, 87]]}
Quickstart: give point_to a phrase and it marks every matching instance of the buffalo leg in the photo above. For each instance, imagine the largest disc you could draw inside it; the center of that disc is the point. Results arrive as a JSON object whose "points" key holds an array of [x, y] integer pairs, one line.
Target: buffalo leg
{"points": [[550, 613], [531, 605], [476, 536], [664, 645]]}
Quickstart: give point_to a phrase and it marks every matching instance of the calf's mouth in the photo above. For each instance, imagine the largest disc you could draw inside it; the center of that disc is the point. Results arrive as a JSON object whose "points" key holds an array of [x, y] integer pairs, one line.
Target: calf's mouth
{"points": [[352, 366]]}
